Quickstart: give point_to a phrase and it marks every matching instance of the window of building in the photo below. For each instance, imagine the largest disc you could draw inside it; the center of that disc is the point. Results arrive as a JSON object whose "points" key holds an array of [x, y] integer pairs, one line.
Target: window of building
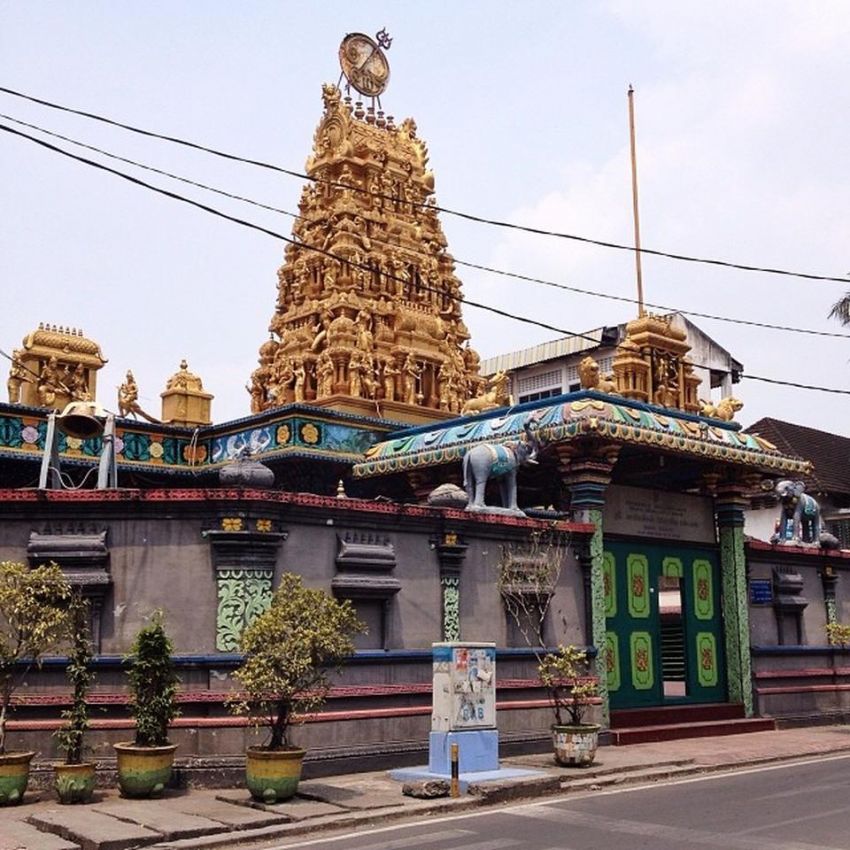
{"points": [[540, 395]]}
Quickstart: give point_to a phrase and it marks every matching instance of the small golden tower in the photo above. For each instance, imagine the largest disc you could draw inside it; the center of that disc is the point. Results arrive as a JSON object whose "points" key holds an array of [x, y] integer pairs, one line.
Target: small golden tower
{"points": [[651, 364], [369, 321], [54, 366], [184, 401]]}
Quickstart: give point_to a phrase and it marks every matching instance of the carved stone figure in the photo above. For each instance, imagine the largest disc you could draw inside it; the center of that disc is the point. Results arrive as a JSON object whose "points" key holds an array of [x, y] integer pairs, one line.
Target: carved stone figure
{"points": [[300, 375], [591, 379], [390, 373], [496, 396], [128, 396], [79, 385], [725, 409], [499, 461], [324, 375], [49, 383], [18, 375], [799, 519], [411, 372]]}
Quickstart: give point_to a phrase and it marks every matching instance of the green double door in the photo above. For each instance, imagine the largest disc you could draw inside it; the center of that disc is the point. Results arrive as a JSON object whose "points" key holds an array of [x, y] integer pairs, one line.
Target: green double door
{"points": [[663, 639]]}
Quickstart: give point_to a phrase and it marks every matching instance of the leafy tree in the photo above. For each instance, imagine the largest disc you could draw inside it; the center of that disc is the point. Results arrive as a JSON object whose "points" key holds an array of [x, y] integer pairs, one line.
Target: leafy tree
{"points": [[289, 651], [81, 676], [33, 622], [841, 309], [153, 684]]}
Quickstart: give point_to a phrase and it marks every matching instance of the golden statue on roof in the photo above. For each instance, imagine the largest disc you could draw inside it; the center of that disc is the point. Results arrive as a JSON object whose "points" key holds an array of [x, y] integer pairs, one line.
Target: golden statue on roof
{"points": [[368, 314]]}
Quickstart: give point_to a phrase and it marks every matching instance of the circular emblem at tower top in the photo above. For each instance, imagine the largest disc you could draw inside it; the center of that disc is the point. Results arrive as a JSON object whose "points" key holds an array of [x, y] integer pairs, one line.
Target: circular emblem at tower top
{"points": [[364, 64]]}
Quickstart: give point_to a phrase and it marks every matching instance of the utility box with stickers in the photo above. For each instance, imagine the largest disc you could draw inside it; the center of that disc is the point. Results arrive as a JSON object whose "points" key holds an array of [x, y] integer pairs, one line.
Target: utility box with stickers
{"points": [[464, 707], [464, 686]]}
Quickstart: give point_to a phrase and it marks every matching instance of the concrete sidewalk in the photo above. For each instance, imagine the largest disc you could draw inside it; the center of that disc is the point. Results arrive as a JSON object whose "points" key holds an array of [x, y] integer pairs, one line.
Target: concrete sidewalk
{"points": [[201, 819]]}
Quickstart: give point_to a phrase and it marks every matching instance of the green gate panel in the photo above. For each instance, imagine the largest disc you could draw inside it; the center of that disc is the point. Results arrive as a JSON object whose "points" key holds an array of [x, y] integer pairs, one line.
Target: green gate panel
{"points": [[643, 673], [637, 574], [703, 589], [707, 672], [612, 661], [632, 571], [609, 578], [672, 568]]}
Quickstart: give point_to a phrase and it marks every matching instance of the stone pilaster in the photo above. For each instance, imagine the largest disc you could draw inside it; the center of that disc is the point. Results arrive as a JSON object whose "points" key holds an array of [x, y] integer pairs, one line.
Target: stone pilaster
{"points": [[587, 476], [729, 505], [451, 552], [829, 578]]}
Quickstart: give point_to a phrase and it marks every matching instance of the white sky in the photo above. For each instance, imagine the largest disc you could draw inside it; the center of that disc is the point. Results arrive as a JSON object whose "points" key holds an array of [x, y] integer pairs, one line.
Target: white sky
{"points": [[743, 111]]}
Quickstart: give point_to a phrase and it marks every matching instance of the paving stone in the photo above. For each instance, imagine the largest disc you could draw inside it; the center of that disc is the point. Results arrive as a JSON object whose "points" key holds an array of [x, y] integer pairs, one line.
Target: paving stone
{"points": [[94, 830], [167, 820], [225, 812], [296, 809], [352, 796], [16, 835]]}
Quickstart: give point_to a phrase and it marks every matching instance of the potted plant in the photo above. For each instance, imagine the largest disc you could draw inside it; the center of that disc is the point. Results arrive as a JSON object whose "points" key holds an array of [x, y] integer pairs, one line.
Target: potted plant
{"points": [[289, 650], [570, 686], [74, 779], [144, 765], [33, 616]]}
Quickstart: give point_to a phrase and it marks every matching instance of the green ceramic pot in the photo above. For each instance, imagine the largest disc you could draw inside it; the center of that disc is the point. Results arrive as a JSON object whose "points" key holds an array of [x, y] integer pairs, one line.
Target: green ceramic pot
{"points": [[273, 775], [14, 775], [74, 783], [144, 771]]}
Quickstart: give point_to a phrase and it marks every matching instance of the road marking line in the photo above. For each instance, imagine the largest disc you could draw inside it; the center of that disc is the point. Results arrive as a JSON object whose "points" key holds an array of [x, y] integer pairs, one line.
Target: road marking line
{"points": [[417, 841], [683, 836], [792, 821], [564, 798]]}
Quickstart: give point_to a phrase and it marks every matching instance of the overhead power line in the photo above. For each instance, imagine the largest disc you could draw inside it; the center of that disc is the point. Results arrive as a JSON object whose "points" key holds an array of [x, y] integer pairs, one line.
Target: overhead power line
{"points": [[465, 263], [479, 219], [212, 211]]}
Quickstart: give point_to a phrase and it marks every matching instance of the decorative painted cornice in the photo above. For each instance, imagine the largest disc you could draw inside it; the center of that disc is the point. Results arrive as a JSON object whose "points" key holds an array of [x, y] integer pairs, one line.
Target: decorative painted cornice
{"points": [[573, 417]]}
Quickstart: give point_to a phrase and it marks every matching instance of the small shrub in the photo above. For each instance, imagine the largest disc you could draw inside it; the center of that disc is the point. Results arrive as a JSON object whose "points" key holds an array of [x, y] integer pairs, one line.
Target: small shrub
{"points": [[153, 684], [838, 634], [567, 678], [289, 650], [33, 622]]}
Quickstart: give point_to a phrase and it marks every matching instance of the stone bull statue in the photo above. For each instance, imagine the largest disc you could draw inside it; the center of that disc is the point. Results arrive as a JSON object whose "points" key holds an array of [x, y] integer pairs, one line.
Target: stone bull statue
{"points": [[799, 519], [500, 461]]}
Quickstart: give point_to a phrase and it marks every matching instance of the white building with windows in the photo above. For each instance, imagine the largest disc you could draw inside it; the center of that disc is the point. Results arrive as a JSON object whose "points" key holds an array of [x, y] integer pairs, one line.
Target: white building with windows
{"points": [[551, 368]]}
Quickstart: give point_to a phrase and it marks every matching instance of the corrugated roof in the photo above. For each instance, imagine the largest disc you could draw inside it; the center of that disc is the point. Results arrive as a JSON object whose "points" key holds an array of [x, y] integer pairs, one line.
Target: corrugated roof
{"points": [[829, 453], [540, 353]]}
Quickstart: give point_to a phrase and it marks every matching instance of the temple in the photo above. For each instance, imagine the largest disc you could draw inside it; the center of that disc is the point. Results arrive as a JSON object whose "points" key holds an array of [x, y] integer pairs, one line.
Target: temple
{"points": [[368, 315], [369, 464]]}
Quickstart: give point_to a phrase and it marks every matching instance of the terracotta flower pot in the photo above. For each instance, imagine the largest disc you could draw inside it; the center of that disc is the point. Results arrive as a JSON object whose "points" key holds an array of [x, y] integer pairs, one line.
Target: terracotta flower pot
{"points": [[14, 775], [273, 775], [74, 783], [144, 771], [575, 745]]}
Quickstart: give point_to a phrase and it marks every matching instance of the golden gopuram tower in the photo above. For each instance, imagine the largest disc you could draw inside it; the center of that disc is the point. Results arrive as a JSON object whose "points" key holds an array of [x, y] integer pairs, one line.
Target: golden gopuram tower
{"points": [[370, 322]]}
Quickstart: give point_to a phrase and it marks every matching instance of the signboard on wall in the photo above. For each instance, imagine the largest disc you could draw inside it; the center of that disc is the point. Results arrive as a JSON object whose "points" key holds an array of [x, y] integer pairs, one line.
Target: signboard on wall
{"points": [[635, 512]]}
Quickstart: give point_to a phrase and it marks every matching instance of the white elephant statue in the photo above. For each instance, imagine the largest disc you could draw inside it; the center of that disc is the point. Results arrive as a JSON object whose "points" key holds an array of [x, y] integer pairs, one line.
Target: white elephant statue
{"points": [[799, 519], [500, 461]]}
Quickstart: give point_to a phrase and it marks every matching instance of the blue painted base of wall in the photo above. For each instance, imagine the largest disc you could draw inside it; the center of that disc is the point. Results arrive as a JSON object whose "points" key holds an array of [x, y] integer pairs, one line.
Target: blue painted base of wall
{"points": [[478, 750]]}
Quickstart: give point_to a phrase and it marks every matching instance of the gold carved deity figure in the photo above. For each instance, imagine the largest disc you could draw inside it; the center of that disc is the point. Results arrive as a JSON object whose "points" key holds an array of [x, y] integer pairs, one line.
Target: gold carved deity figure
{"points": [[18, 375], [50, 383], [128, 396]]}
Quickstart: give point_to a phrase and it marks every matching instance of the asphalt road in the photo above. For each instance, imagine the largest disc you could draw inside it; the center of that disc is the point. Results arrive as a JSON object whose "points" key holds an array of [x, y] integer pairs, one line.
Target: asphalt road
{"points": [[799, 806]]}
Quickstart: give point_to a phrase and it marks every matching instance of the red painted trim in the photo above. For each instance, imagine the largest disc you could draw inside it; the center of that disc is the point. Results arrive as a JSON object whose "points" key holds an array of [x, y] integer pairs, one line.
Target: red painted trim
{"points": [[807, 673], [809, 551], [220, 494], [238, 722], [801, 689], [351, 692]]}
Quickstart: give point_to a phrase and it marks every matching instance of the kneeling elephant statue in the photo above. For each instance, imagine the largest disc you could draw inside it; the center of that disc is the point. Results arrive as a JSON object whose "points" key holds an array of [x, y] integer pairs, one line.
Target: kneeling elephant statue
{"points": [[799, 520], [499, 461]]}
